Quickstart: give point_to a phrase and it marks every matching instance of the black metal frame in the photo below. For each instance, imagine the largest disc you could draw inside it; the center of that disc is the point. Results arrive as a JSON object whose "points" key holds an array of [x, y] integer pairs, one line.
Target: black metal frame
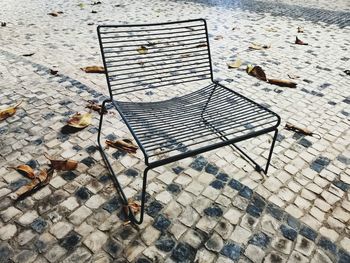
{"points": [[217, 114]]}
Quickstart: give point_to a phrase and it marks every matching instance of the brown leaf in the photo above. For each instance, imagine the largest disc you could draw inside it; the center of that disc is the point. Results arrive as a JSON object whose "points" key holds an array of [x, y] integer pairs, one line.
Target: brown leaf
{"points": [[96, 3], [43, 178], [8, 112], [123, 144], [299, 42], [219, 37], [3, 24], [282, 83], [25, 170], [234, 64], [202, 45], [256, 71], [93, 69], [133, 206], [142, 50], [259, 47], [300, 29], [53, 14], [53, 72], [95, 107], [28, 54], [62, 165], [80, 120], [347, 72], [294, 128], [94, 11], [292, 76]]}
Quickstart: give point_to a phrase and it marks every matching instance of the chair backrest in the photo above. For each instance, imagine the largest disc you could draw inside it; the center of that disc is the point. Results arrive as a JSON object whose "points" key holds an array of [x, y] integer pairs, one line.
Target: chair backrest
{"points": [[139, 57]]}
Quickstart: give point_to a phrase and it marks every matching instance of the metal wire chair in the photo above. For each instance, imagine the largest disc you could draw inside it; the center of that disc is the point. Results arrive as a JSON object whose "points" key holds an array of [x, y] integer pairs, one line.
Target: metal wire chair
{"points": [[151, 56]]}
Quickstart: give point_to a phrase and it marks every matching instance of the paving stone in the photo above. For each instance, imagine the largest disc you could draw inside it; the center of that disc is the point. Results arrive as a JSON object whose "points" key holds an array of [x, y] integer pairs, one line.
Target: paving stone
{"points": [[95, 240], [79, 215], [183, 253], [7, 231], [165, 243], [161, 223], [95, 202], [61, 229], [9, 213], [254, 253], [215, 243], [55, 254], [79, 255], [154, 208], [231, 250], [282, 245], [25, 236], [213, 211], [233, 216], [288, 232], [150, 235], [113, 248], [28, 218], [274, 258], [260, 239], [308, 233], [204, 256], [70, 241], [304, 246], [320, 257], [327, 245], [240, 235], [25, 256], [298, 258], [224, 229], [39, 225]]}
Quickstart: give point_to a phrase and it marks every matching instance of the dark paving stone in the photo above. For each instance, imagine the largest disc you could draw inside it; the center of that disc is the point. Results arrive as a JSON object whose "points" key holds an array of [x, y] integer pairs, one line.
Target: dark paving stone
{"points": [[254, 211], [174, 188], [217, 184], [37, 142], [280, 137], [246, 192], [88, 161], [211, 169], [231, 250], [113, 248], [345, 113], [260, 239], [347, 100], [117, 154], [258, 201], [288, 232], [199, 163], [104, 178], [143, 260], [165, 243], [32, 163], [149, 93], [275, 211], [111, 137], [161, 223], [308, 233], [154, 208], [125, 233], [83, 193], [293, 222], [91, 149], [327, 245], [343, 256], [178, 169], [183, 253], [77, 148], [235, 184], [39, 225], [343, 186], [6, 252], [131, 172], [304, 142], [69, 176], [214, 211], [319, 164], [70, 241], [345, 160], [112, 205], [332, 103], [223, 177], [93, 130]]}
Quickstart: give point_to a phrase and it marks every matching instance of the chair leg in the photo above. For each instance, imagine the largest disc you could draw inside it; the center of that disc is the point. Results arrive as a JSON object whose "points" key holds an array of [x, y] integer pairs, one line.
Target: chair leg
{"points": [[130, 214], [271, 150]]}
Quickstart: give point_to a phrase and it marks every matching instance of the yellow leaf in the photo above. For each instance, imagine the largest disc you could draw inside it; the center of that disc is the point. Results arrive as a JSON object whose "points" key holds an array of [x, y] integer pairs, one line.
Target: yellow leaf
{"points": [[283, 83], [142, 50], [80, 120], [93, 69], [234, 64], [25, 170], [62, 165], [8, 112], [258, 46]]}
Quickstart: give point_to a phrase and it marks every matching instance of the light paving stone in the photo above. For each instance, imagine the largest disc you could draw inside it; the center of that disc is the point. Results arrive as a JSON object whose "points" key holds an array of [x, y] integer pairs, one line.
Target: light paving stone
{"points": [[206, 224], [10, 213], [177, 230], [150, 235], [329, 233], [71, 203], [233, 216], [95, 240], [189, 217], [25, 236], [185, 199], [297, 257], [224, 229], [80, 255], [58, 182], [320, 257], [131, 252], [165, 197], [201, 203], [240, 235], [214, 243], [193, 238], [7, 231], [25, 256], [204, 256], [269, 224], [61, 229], [28, 218], [195, 188], [254, 253], [282, 245], [345, 243], [274, 257], [341, 214], [304, 246], [95, 201], [79, 215], [55, 254]]}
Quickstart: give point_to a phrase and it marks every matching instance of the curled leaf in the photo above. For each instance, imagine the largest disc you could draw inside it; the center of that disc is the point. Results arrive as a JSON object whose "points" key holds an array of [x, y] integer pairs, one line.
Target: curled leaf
{"points": [[234, 64], [300, 130], [93, 69], [8, 112], [123, 144], [55, 13], [299, 42], [94, 12], [28, 54], [62, 165], [133, 206], [95, 107], [256, 71], [25, 170], [292, 76], [80, 120], [53, 72], [258, 46], [347, 72], [142, 50], [96, 3], [282, 83], [3, 24]]}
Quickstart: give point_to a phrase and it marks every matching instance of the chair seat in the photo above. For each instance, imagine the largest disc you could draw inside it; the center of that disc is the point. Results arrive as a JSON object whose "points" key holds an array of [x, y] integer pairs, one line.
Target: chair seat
{"points": [[187, 123]]}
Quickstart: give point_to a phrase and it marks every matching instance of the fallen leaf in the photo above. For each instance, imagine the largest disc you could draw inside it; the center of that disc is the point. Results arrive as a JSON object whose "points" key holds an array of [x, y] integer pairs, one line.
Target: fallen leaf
{"points": [[59, 12], [219, 37], [96, 3], [43, 178], [93, 69], [234, 28], [28, 54], [3, 24], [80, 120], [25, 170], [271, 29], [122, 144], [142, 50], [62, 165], [91, 24], [299, 42], [8, 112], [150, 44], [53, 72], [234, 64], [202, 45], [292, 76], [300, 29], [258, 46], [53, 14], [96, 107], [347, 72], [304, 131], [94, 12], [133, 206], [256, 71], [282, 83]]}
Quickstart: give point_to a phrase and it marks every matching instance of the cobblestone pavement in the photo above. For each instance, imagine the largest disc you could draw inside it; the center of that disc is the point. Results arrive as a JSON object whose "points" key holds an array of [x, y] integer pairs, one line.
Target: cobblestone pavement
{"points": [[212, 208]]}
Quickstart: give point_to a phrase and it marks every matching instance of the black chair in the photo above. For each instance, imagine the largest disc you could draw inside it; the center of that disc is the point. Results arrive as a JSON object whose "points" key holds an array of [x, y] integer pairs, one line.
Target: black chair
{"points": [[138, 58]]}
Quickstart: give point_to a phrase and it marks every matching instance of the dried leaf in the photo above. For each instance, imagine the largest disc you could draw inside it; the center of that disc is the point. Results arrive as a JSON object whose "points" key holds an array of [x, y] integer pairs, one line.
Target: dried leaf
{"points": [[8, 112], [28, 54], [3, 24], [53, 72], [258, 46], [234, 64], [62, 165], [91, 24], [142, 50], [300, 29], [123, 144], [292, 76], [53, 14], [95, 107], [43, 178], [294, 128], [271, 29], [80, 120], [96, 3], [347, 72], [282, 83], [93, 69], [94, 12], [299, 42], [133, 206], [151, 44], [256, 71], [25, 170], [219, 37], [202, 45]]}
